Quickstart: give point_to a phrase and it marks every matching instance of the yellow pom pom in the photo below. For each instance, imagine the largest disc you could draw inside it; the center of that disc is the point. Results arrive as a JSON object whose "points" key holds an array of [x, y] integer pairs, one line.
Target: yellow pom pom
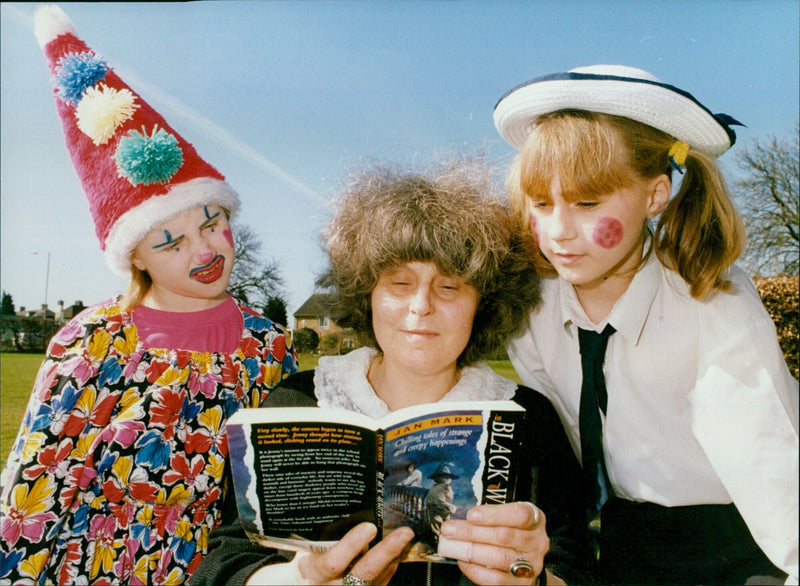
{"points": [[678, 152], [101, 111]]}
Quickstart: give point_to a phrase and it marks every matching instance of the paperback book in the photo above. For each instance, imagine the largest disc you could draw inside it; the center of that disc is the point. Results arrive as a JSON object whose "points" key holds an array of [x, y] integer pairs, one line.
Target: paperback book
{"points": [[304, 476]]}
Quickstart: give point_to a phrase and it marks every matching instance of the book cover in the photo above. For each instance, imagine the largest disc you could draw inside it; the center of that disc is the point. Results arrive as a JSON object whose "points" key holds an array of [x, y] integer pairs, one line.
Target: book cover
{"points": [[304, 476]]}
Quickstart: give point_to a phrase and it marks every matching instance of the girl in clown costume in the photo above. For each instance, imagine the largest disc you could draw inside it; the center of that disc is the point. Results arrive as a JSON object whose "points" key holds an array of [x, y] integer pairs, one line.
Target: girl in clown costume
{"points": [[118, 472]]}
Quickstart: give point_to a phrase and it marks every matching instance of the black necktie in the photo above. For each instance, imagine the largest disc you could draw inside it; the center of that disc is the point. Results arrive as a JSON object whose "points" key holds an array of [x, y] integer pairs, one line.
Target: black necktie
{"points": [[593, 398]]}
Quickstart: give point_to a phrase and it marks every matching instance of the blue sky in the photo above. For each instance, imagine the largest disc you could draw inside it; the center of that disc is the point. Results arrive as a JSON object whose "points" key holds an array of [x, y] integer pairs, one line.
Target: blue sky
{"points": [[285, 97]]}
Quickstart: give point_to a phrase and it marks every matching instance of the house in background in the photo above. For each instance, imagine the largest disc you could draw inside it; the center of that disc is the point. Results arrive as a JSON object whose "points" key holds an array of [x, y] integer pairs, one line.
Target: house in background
{"points": [[43, 313], [67, 313], [315, 314]]}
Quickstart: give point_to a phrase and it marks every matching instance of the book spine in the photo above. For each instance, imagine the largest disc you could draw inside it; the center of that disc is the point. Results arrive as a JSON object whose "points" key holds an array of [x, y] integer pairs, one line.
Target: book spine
{"points": [[379, 481], [500, 472]]}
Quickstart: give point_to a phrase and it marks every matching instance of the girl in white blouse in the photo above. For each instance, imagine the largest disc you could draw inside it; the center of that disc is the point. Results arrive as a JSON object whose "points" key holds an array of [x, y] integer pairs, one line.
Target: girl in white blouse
{"points": [[700, 428]]}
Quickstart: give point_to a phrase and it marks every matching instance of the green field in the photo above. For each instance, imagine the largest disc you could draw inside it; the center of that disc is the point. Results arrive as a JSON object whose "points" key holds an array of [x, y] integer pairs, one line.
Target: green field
{"points": [[19, 370]]}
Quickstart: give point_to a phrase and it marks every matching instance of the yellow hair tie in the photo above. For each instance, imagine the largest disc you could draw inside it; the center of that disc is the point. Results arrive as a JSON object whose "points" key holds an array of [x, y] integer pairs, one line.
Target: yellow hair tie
{"points": [[677, 154]]}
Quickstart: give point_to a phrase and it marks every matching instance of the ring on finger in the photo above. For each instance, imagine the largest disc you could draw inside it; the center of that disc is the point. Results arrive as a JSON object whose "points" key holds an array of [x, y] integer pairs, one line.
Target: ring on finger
{"points": [[521, 568], [351, 579]]}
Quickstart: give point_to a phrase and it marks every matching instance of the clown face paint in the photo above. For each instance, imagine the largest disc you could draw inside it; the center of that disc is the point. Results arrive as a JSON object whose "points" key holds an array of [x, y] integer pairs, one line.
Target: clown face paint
{"points": [[189, 259], [591, 242], [607, 232]]}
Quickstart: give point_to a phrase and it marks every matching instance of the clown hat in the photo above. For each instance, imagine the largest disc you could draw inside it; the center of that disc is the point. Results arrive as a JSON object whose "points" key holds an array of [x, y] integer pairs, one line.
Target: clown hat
{"points": [[136, 171], [618, 90]]}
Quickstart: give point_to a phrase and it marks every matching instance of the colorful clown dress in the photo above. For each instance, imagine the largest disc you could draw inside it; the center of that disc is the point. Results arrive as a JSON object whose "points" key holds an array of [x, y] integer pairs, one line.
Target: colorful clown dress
{"points": [[118, 472]]}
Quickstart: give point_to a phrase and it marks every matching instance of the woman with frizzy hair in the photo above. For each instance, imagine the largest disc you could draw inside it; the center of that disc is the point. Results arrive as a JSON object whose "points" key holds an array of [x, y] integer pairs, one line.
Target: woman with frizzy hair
{"points": [[428, 268]]}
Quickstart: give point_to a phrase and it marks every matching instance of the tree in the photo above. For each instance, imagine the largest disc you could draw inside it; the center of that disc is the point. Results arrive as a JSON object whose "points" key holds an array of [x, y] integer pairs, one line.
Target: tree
{"points": [[330, 344], [254, 280], [8, 304], [275, 310], [306, 340], [769, 199]]}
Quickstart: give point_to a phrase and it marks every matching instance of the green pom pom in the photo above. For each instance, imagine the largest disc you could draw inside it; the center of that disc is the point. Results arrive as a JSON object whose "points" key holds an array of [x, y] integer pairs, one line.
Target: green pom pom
{"points": [[147, 160]]}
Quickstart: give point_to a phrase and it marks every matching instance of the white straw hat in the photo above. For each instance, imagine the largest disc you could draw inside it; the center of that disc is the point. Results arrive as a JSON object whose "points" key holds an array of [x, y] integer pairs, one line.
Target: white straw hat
{"points": [[619, 90]]}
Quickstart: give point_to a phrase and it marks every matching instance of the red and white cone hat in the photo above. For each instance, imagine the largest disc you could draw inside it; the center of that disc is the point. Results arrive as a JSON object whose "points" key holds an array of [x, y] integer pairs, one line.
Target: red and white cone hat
{"points": [[136, 171]]}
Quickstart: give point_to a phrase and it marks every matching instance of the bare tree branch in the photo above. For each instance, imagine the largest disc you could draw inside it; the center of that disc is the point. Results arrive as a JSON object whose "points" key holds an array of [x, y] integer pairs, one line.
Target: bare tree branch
{"points": [[254, 279], [769, 200]]}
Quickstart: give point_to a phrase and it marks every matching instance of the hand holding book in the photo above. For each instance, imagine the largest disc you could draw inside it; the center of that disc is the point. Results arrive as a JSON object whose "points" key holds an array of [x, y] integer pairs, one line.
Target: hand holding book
{"points": [[305, 476], [351, 556]]}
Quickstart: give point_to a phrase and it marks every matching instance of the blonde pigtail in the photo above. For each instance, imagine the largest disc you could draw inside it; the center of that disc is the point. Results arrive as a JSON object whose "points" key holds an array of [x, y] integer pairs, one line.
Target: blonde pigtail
{"points": [[700, 234]]}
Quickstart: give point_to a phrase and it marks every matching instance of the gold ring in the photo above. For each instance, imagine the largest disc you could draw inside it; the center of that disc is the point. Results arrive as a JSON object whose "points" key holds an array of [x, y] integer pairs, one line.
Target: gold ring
{"points": [[521, 568]]}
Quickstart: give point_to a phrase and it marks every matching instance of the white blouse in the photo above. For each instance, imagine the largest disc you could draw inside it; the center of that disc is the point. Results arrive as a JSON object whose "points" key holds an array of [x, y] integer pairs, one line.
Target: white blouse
{"points": [[341, 382], [702, 408]]}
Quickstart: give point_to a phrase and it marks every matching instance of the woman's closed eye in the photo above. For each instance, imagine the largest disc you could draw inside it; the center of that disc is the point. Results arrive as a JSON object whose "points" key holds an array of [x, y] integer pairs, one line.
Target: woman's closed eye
{"points": [[449, 287]]}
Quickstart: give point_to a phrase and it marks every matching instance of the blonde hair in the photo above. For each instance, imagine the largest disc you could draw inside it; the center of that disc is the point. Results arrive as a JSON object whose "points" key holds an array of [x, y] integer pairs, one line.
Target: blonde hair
{"points": [[699, 234], [136, 291], [451, 215]]}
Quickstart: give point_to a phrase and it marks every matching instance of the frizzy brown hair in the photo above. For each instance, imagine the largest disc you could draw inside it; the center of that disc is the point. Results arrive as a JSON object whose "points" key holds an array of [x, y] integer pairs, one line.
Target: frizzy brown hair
{"points": [[451, 215], [699, 233]]}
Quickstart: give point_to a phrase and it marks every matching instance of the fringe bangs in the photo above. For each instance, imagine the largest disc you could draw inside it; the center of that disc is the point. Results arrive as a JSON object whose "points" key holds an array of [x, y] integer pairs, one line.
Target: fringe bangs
{"points": [[581, 151]]}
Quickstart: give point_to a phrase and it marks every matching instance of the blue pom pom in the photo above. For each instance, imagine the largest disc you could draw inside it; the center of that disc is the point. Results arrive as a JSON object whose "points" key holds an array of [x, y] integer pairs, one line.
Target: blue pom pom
{"points": [[78, 72], [146, 160]]}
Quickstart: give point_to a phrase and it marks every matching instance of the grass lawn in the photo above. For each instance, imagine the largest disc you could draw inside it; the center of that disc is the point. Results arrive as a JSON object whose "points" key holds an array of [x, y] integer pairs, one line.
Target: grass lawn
{"points": [[18, 371]]}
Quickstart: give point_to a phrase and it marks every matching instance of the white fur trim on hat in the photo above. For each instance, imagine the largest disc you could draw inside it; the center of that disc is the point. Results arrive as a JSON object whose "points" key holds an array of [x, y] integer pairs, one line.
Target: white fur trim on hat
{"points": [[618, 90], [129, 230]]}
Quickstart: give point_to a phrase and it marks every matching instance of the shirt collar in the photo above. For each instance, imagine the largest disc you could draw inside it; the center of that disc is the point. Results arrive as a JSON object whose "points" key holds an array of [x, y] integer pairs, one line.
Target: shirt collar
{"points": [[629, 313]]}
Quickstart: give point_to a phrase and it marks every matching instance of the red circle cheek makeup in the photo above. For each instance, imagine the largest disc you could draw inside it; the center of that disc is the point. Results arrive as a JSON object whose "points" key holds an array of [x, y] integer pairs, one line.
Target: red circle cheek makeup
{"points": [[535, 229], [607, 232]]}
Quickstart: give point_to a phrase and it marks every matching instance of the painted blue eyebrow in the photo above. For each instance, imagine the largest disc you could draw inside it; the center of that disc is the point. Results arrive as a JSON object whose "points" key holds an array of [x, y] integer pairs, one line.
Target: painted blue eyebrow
{"points": [[209, 218], [169, 239], [205, 209]]}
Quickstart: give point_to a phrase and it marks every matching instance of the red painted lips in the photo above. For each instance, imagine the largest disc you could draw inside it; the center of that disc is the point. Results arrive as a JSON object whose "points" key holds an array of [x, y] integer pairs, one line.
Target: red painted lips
{"points": [[210, 272]]}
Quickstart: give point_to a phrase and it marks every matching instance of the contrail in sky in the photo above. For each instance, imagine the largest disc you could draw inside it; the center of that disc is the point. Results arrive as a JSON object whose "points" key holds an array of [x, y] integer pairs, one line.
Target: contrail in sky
{"points": [[242, 149]]}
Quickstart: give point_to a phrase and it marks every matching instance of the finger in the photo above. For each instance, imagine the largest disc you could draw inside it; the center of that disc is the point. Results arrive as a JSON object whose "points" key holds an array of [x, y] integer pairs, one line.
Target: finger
{"points": [[379, 563], [455, 549], [387, 574], [525, 540], [321, 568], [501, 558], [520, 514], [483, 575]]}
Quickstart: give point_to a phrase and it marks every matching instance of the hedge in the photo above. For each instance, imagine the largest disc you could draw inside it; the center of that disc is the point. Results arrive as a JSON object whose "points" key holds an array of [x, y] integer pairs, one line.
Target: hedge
{"points": [[780, 296]]}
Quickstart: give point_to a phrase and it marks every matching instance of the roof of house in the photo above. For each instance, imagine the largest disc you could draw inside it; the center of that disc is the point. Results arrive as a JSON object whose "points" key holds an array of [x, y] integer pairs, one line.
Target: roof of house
{"points": [[319, 304]]}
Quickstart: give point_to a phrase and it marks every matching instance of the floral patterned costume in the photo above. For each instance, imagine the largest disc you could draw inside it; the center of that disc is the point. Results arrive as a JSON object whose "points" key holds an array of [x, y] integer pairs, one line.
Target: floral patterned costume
{"points": [[118, 472]]}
